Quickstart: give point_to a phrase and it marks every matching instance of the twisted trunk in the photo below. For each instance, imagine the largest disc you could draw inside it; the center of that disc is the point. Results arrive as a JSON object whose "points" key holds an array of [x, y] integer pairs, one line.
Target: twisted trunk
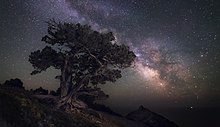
{"points": [[66, 79], [68, 100], [69, 93], [65, 83]]}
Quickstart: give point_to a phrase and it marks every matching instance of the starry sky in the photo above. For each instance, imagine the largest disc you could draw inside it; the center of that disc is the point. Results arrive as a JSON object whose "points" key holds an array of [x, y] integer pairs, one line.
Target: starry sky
{"points": [[176, 42]]}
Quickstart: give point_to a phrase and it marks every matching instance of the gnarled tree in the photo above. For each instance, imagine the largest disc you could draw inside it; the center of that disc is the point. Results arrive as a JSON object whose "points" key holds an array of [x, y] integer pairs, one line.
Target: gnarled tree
{"points": [[84, 56]]}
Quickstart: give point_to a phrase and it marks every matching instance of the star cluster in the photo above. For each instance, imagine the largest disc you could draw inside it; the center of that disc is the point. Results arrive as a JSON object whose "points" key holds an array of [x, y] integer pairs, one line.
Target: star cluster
{"points": [[176, 43]]}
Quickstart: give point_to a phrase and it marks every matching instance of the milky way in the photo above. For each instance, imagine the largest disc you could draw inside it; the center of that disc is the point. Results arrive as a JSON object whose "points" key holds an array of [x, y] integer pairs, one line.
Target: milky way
{"points": [[176, 43]]}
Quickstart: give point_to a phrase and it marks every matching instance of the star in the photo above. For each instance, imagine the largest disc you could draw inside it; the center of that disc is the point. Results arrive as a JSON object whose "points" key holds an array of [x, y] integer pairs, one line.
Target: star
{"points": [[176, 43]]}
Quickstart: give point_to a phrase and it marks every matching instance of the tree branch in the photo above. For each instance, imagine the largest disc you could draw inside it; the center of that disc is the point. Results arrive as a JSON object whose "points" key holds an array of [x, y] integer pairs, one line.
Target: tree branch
{"points": [[93, 56], [87, 93], [97, 60]]}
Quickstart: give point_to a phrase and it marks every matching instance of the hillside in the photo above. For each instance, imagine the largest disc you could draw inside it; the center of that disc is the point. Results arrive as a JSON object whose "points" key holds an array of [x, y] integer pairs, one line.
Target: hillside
{"points": [[19, 108]]}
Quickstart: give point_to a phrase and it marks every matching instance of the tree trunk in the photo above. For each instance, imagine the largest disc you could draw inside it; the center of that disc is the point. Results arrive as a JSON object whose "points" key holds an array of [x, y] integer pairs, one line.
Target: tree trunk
{"points": [[71, 103], [65, 84], [66, 79], [68, 92], [69, 95]]}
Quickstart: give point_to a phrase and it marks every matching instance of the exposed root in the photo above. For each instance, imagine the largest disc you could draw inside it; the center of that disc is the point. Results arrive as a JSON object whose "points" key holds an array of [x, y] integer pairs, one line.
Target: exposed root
{"points": [[70, 103]]}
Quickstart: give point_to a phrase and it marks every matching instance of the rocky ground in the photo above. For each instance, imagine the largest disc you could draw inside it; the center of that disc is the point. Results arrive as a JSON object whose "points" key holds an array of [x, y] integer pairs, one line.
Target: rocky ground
{"points": [[19, 108]]}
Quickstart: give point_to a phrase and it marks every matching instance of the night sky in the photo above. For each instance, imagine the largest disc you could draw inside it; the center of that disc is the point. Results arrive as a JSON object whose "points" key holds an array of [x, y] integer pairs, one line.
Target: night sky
{"points": [[177, 45]]}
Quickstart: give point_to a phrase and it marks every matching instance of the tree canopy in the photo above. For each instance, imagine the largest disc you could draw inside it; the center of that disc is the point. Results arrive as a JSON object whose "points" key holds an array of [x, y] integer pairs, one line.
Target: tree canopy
{"points": [[85, 57], [14, 83]]}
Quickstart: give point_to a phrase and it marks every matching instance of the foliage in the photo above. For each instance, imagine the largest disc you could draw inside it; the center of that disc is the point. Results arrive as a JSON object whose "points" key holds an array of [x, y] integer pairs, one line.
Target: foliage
{"points": [[84, 56], [14, 83], [40, 91]]}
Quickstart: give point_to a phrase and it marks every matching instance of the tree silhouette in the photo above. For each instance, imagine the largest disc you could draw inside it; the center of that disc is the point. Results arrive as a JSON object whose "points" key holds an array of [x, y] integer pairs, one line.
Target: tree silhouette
{"points": [[40, 91], [84, 56], [14, 83]]}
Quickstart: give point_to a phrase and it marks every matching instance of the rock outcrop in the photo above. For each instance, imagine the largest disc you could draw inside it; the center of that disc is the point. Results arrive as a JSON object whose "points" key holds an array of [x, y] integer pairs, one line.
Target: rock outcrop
{"points": [[149, 118]]}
